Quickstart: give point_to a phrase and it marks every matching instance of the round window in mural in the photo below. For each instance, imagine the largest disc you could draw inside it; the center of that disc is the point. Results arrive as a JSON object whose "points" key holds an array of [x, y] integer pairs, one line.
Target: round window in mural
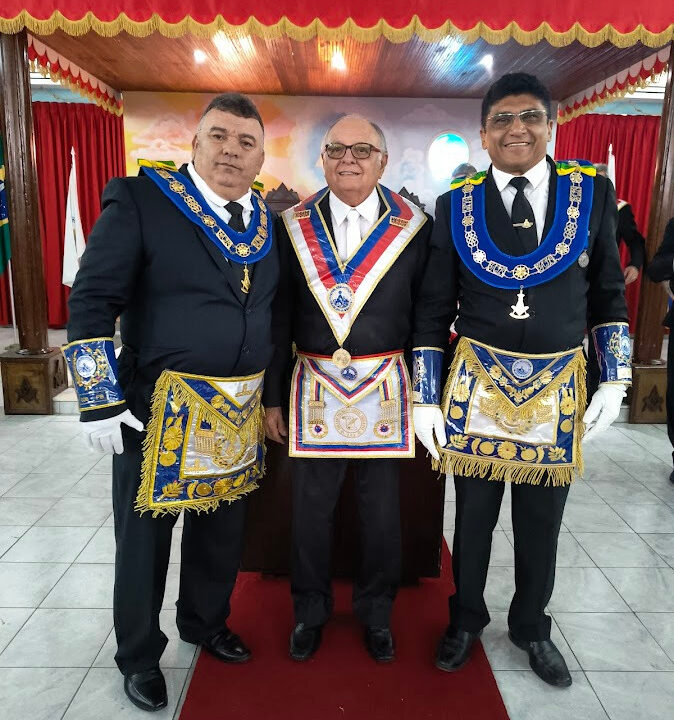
{"points": [[445, 153]]}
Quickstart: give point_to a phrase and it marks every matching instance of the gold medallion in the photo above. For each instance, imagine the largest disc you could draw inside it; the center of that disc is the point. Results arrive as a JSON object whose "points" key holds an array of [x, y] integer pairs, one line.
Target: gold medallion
{"points": [[350, 422], [341, 358]]}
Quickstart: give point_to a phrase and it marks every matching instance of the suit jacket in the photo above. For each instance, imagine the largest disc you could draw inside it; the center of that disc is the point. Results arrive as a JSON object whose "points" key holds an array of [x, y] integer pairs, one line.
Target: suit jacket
{"points": [[177, 295], [558, 309], [628, 233], [410, 298], [661, 267]]}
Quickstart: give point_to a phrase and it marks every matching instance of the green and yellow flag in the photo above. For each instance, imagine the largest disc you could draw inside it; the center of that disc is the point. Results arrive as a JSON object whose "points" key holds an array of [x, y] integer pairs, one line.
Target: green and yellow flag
{"points": [[5, 250]]}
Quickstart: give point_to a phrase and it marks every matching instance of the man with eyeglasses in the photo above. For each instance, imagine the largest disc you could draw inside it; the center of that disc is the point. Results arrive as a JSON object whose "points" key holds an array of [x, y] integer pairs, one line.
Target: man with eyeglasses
{"points": [[188, 259], [532, 257], [360, 282]]}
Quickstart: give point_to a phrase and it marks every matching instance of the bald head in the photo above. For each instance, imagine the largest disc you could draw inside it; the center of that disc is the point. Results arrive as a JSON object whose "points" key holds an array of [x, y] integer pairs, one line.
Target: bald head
{"points": [[352, 179]]}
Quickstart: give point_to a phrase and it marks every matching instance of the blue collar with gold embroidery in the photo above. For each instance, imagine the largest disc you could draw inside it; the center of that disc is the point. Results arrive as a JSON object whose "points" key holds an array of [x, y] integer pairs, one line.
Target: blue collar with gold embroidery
{"points": [[246, 247], [559, 249]]}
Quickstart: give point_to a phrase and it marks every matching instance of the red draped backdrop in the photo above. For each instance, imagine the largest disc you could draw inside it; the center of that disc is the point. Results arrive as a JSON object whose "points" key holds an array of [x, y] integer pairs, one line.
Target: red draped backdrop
{"points": [[635, 144], [98, 139]]}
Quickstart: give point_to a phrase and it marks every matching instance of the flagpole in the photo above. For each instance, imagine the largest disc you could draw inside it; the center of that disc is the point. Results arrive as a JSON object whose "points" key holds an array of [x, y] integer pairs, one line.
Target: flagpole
{"points": [[11, 300]]}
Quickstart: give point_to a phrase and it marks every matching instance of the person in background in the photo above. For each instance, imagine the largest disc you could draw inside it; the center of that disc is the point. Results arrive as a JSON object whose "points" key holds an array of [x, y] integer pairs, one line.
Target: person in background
{"points": [[661, 269]]}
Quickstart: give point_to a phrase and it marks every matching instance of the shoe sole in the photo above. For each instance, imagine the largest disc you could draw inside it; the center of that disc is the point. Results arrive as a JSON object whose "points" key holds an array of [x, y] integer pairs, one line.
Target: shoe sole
{"points": [[450, 669], [301, 658], [524, 645]]}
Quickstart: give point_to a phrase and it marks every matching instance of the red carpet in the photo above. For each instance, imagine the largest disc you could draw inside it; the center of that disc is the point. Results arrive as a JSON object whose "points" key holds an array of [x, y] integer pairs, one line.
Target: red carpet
{"points": [[341, 682]]}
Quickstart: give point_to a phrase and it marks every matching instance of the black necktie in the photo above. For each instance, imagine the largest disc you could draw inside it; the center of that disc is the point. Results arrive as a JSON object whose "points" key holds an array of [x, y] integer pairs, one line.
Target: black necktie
{"points": [[522, 217], [235, 209]]}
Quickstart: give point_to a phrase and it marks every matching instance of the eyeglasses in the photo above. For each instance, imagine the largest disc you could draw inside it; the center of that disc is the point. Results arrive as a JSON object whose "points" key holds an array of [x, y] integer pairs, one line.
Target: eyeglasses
{"points": [[530, 118], [360, 151]]}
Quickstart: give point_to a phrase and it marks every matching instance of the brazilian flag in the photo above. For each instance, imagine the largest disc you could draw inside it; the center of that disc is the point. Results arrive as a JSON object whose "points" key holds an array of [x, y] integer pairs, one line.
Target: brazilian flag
{"points": [[5, 250]]}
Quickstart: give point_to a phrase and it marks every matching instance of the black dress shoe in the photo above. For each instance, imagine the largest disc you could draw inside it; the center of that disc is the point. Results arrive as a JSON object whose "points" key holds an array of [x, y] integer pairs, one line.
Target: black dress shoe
{"points": [[304, 641], [545, 660], [227, 646], [146, 689], [379, 643], [454, 649]]}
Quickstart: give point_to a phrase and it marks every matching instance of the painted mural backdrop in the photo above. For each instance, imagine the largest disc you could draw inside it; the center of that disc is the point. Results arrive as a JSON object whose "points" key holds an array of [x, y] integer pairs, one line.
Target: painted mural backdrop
{"points": [[160, 126]]}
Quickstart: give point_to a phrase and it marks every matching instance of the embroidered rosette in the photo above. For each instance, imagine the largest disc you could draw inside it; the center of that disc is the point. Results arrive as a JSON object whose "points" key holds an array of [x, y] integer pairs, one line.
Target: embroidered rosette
{"points": [[362, 410], [558, 250], [514, 417], [204, 443]]}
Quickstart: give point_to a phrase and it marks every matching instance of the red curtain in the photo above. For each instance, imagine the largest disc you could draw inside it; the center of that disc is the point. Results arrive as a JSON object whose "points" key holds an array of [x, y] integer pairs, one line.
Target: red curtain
{"points": [[635, 143], [98, 139]]}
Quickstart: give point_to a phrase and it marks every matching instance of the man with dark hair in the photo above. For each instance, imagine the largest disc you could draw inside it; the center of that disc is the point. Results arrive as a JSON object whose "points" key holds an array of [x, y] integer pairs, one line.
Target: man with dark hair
{"points": [[188, 261], [532, 256], [359, 283], [463, 170]]}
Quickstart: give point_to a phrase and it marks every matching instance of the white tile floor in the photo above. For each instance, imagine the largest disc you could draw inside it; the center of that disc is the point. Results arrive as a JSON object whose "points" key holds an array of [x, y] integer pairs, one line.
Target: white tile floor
{"points": [[613, 605]]}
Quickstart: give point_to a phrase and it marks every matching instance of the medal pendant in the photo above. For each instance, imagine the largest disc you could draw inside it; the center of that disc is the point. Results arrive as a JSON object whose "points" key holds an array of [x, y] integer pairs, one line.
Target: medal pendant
{"points": [[245, 283], [341, 358], [519, 309]]}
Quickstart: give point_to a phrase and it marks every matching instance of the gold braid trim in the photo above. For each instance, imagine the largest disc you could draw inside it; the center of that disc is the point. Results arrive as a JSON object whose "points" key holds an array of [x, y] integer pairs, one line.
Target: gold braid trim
{"points": [[103, 100], [349, 29], [494, 468], [564, 116], [151, 447]]}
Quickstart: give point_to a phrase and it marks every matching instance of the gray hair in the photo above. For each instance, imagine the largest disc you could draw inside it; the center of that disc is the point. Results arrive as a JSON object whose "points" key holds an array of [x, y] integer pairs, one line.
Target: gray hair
{"points": [[354, 116], [463, 170], [601, 168]]}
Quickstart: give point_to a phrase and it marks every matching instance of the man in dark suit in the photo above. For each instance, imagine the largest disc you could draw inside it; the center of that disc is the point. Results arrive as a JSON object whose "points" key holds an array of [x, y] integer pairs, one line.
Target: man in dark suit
{"points": [[628, 233], [661, 269], [360, 282], [532, 255], [187, 260]]}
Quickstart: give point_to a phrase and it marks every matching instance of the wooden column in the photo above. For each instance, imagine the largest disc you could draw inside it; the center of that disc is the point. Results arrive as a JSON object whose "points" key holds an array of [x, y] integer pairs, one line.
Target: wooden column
{"points": [[652, 300], [650, 375], [35, 373]]}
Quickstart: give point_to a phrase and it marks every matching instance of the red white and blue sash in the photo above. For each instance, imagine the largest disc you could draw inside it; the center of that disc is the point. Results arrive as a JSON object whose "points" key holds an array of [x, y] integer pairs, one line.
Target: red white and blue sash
{"points": [[341, 288]]}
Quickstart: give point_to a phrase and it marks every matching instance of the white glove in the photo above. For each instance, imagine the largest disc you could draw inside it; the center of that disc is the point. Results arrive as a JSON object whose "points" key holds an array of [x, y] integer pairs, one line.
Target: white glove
{"points": [[429, 421], [604, 408], [105, 436]]}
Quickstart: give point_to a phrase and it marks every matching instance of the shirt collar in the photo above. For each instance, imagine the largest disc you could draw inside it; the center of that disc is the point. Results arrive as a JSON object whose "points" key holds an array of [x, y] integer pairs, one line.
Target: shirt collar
{"points": [[369, 208], [535, 175], [246, 201]]}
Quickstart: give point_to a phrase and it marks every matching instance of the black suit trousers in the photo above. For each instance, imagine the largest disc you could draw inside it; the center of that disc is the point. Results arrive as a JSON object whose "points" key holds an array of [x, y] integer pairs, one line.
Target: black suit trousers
{"points": [[536, 516], [317, 483], [210, 558]]}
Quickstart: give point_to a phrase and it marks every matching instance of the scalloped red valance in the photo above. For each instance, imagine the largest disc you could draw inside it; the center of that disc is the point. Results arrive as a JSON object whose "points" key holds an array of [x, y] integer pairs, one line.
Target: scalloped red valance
{"points": [[397, 20]]}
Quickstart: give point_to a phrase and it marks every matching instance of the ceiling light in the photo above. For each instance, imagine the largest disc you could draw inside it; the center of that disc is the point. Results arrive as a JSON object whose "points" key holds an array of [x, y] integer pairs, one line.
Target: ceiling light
{"points": [[337, 61], [225, 45], [200, 56], [487, 62]]}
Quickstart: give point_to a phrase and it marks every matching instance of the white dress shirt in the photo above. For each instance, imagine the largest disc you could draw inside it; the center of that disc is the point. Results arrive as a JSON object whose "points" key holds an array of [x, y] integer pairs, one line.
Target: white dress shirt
{"points": [[536, 191], [368, 211], [216, 203]]}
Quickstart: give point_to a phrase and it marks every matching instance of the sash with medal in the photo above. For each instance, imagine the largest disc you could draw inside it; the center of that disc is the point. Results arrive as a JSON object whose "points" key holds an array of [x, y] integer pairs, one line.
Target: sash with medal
{"points": [[565, 243], [364, 412], [341, 290], [204, 443], [244, 248], [514, 417]]}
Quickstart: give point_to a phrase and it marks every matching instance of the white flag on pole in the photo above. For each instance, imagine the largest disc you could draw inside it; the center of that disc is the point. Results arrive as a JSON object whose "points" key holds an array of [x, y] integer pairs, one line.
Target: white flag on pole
{"points": [[611, 165], [73, 241]]}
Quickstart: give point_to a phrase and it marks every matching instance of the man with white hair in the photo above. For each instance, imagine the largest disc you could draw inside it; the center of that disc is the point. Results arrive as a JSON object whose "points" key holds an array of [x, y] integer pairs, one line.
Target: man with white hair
{"points": [[359, 282]]}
